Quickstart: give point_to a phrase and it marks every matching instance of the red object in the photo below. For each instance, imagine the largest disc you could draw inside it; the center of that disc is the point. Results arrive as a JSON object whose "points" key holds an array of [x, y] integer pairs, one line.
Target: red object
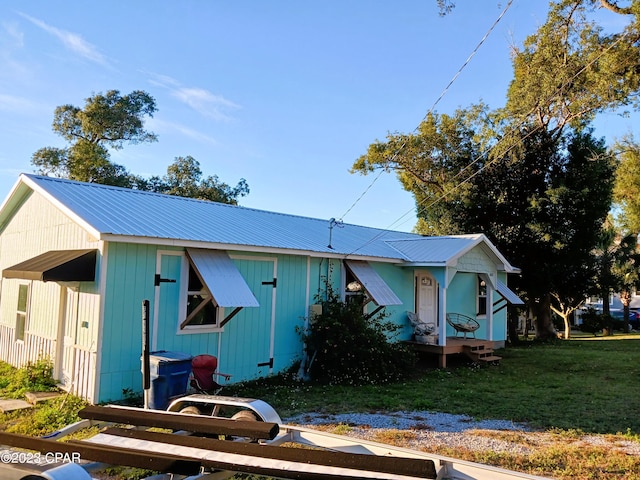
{"points": [[203, 368]]}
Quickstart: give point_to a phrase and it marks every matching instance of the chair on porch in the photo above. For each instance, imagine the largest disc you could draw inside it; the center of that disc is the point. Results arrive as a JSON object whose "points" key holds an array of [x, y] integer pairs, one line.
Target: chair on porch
{"points": [[420, 327], [463, 323]]}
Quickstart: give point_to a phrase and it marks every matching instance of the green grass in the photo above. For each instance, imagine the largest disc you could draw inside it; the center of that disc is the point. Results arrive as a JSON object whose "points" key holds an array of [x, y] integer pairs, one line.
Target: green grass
{"points": [[587, 384], [590, 384]]}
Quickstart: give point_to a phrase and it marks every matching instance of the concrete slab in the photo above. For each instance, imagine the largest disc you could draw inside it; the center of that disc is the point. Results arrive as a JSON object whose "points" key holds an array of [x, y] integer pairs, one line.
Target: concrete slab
{"points": [[35, 397], [7, 405]]}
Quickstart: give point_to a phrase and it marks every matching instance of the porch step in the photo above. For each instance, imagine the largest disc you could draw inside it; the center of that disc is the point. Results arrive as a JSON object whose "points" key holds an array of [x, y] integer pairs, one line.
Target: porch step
{"points": [[481, 353]]}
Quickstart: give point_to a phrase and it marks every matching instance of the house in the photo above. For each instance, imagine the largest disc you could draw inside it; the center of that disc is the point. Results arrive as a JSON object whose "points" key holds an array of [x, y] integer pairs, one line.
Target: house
{"points": [[78, 260]]}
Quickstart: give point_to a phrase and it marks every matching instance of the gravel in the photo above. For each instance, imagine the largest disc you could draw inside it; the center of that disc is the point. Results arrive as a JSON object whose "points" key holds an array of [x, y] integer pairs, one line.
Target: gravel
{"points": [[441, 422], [426, 430]]}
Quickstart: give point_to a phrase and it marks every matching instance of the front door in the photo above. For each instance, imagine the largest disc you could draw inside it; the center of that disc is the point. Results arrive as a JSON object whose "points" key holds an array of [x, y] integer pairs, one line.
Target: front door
{"points": [[426, 298]]}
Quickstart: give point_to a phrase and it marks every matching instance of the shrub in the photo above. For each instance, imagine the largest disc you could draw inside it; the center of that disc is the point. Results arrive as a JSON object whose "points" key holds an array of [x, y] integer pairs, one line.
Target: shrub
{"points": [[33, 377], [348, 347], [51, 416]]}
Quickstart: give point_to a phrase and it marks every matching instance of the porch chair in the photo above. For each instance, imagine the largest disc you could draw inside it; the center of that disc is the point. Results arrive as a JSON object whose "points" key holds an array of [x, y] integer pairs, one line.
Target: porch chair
{"points": [[203, 370], [420, 327], [463, 323]]}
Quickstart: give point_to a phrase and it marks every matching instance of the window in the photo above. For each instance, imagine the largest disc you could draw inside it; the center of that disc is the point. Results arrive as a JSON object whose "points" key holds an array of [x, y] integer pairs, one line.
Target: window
{"points": [[353, 290], [201, 309], [21, 311], [482, 297]]}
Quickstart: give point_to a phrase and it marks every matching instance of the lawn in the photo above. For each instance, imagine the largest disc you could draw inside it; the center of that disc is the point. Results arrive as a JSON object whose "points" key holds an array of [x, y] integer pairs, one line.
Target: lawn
{"points": [[587, 383], [562, 388]]}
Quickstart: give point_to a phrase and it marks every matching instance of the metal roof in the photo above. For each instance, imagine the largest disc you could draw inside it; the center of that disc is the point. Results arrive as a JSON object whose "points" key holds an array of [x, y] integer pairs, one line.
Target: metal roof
{"points": [[108, 211], [434, 250], [113, 213]]}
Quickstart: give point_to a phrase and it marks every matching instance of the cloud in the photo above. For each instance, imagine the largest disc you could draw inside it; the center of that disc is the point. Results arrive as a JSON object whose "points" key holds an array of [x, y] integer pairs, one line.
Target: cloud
{"points": [[171, 127], [199, 99], [14, 33], [11, 103], [72, 41]]}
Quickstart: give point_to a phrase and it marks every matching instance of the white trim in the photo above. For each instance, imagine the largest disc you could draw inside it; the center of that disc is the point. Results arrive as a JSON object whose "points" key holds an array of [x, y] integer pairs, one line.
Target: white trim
{"points": [[103, 248], [168, 242]]}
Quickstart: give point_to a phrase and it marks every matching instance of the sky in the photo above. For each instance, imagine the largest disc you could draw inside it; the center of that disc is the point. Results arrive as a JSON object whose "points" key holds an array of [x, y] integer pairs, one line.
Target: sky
{"points": [[286, 94]]}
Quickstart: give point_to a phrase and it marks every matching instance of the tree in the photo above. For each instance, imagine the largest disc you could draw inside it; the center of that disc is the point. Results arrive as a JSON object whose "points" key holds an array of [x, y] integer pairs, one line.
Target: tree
{"points": [[570, 70], [540, 198], [107, 121], [617, 267], [627, 184], [113, 121], [184, 178], [433, 161]]}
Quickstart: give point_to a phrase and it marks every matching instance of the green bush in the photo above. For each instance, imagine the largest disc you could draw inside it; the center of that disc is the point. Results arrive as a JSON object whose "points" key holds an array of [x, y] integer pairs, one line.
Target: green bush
{"points": [[346, 346], [591, 321], [33, 377], [50, 416]]}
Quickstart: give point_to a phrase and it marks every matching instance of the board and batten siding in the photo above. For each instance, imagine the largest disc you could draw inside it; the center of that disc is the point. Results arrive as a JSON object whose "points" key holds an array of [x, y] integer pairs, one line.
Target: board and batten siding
{"points": [[38, 227], [129, 281]]}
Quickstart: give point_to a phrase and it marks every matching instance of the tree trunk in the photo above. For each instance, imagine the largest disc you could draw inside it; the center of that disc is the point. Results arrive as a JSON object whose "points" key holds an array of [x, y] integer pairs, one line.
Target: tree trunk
{"points": [[544, 326], [512, 325], [625, 298]]}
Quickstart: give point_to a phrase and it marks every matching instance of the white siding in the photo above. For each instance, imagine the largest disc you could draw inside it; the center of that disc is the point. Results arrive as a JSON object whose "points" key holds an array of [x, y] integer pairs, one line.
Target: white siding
{"points": [[38, 227]]}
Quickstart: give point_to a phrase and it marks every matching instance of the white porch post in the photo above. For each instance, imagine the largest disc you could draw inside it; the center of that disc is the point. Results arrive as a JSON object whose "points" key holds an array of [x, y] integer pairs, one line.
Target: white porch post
{"points": [[442, 320], [490, 311]]}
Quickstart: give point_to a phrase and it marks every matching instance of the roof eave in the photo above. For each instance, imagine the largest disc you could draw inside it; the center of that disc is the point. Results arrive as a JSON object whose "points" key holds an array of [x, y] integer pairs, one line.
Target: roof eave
{"points": [[176, 242]]}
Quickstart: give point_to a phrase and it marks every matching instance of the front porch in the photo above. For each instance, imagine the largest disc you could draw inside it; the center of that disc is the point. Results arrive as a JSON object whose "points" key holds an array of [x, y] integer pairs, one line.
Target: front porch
{"points": [[478, 350]]}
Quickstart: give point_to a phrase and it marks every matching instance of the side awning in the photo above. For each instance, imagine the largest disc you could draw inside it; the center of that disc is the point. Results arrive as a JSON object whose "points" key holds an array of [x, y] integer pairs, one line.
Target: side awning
{"points": [[57, 266], [508, 294], [373, 283], [222, 278]]}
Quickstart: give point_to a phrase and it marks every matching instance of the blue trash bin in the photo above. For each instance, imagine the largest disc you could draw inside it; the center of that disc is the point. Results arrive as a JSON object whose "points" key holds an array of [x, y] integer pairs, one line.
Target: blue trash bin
{"points": [[169, 375]]}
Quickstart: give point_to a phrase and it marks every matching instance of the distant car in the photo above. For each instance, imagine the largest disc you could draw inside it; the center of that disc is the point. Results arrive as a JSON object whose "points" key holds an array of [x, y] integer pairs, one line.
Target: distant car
{"points": [[634, 317]]}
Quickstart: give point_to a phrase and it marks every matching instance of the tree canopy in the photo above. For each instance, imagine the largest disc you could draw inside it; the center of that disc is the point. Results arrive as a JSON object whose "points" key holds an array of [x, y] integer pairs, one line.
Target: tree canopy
{"points": [[530, 175], [112, 121], [627, 186], [570, 69], [106, 121]]}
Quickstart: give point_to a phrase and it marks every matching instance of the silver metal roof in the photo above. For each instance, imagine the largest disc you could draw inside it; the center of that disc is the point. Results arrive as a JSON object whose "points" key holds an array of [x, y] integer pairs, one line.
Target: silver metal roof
{"points": [[108, 212], [435, 250]]}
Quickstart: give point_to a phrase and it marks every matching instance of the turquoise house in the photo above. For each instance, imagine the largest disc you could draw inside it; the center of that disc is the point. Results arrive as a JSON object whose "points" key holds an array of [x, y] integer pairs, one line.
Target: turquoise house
{"points": [[78, 260]]}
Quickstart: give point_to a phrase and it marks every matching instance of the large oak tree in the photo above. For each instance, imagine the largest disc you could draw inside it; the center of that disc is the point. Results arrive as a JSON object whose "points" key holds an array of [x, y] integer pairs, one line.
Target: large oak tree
{"points": [[111, 121]]}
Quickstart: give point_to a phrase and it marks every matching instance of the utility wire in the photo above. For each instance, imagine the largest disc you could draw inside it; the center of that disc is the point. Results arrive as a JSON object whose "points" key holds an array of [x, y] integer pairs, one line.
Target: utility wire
{"points": [[489, 149], [442, 94]]}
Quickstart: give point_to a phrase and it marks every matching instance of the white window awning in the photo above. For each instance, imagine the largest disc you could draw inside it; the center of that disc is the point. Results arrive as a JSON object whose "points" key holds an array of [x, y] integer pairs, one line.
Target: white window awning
{"points": [[373, 283], [222, 278], [508, 294]]}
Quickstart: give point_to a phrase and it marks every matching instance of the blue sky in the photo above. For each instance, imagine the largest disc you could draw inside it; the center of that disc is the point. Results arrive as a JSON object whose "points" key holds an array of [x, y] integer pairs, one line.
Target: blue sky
{"points": [[286, 93]]}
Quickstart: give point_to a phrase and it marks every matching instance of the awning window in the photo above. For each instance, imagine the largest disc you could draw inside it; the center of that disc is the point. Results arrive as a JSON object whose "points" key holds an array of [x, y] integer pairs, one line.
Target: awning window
{"points": [[373, 283], [222, 278], [57, 266], [508, 294]]}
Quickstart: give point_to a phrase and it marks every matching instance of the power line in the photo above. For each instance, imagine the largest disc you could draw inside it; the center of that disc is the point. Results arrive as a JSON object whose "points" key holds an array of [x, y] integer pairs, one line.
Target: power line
{"points": [[442, 94], [490, 148]]}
